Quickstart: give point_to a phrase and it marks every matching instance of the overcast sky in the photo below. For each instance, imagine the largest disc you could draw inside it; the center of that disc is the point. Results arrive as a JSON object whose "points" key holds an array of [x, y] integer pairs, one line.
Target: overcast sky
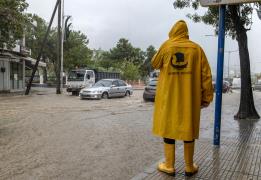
{"points": [[144, 23]]}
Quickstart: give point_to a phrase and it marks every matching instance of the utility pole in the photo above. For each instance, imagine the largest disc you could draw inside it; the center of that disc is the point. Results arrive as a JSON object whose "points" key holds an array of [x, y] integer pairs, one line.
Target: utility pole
{"points": [[62, 1], [258, 11], [41, 49], [58, 66], [229, 52]]}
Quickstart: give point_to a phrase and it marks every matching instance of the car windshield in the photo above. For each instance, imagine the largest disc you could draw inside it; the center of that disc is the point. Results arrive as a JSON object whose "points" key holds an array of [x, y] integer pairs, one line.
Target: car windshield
{"points": [[76, 76], [153, 83], [103, 83]]}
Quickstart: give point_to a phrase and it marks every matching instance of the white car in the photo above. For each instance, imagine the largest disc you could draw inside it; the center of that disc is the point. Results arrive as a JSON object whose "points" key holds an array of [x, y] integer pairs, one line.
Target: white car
{"points": [[107, 88]]}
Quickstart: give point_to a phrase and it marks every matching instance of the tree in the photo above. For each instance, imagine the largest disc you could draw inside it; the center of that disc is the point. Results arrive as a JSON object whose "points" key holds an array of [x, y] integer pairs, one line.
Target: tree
{"points": [[150, 52], [138, 56], [238, 22], [76, 51], [102, 59], [129, 70], [12, 22], [124, 51], [36, 28]]}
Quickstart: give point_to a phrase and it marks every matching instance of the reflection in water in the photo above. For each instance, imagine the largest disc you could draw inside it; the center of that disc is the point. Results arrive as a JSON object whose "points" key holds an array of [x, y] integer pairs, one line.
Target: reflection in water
{"points": [[216, 163], [246, 129]]}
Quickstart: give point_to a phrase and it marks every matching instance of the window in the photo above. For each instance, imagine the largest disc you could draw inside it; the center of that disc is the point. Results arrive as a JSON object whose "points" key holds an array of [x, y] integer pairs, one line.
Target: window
{"points": [[90, 73], [116, 83], [76, 76], [16, 75], [103, 83], [122, 83]]}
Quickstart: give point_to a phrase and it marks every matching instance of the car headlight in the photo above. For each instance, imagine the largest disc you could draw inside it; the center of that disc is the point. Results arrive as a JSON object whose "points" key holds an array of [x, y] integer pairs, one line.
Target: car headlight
{"points": [[82, 86], [97, 91]]}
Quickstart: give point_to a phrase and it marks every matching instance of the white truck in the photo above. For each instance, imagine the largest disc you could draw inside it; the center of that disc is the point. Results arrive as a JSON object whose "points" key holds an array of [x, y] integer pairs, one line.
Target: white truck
{"points": [[82, 78], [236, 83]]}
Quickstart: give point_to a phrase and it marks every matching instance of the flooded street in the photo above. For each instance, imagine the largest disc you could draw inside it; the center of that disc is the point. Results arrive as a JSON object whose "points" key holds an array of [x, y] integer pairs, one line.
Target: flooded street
{"points": [[49, 136]]}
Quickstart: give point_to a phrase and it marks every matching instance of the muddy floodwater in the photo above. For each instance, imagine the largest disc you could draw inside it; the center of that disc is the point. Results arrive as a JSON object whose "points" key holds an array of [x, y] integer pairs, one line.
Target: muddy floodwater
{"points": [[49, 136]]}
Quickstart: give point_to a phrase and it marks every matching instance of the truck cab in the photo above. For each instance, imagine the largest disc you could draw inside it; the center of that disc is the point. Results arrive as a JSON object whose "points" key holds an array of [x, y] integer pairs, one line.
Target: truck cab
{"points": [[79, 79], [86, 78]]}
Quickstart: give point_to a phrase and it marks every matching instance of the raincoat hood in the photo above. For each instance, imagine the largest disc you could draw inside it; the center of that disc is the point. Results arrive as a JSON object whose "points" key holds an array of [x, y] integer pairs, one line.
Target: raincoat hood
{"points": [[179, 31]]}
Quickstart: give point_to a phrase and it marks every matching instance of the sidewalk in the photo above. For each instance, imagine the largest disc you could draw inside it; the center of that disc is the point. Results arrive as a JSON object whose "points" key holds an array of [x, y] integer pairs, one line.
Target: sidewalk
{"points": [[238, 156], [137, 87]]}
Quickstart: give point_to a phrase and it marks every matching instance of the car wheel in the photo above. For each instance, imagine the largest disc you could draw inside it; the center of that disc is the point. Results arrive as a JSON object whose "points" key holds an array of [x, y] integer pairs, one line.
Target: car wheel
{"points": [[127, 93], [105, 95]]}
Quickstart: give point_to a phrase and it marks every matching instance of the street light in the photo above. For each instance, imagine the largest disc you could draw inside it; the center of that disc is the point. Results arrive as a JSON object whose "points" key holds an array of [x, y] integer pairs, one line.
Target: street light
{"points": [[229, 52], [210, 35], [259, 12], [64, 24]]}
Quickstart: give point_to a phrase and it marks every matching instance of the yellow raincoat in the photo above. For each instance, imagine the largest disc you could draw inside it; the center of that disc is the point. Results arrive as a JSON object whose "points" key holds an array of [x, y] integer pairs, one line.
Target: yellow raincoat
{"points": [[185, 83]]}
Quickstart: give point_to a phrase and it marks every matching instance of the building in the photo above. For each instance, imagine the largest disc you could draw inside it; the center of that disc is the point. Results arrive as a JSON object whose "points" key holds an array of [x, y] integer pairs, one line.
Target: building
{"points": [[13, 65]]}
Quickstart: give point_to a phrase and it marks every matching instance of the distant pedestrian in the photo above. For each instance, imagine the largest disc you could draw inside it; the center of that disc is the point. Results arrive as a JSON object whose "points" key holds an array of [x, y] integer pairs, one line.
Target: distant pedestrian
{"points": [[184, 87]]}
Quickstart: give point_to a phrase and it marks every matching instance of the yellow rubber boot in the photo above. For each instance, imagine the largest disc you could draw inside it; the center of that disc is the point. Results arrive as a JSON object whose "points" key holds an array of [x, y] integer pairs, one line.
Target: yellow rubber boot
{"points": [[190, 168], [168, 166]]}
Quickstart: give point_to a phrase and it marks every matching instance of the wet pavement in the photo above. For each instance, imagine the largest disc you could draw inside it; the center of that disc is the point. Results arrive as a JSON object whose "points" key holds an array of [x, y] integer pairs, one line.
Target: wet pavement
{"points": [[49, 136], [238, 156]]}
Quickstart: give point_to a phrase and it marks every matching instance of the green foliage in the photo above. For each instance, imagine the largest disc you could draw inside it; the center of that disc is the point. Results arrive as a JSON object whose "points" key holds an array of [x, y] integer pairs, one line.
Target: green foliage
{"points": [[146, 68], [132, 62], [36, 28], [210, 17], [129, 71], [138, 56], [124, 51], [12, 21], [102, 60], [76, 51]]}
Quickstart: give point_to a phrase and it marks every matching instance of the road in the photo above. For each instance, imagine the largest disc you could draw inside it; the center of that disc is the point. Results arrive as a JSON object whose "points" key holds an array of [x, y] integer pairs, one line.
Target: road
{"points": [[49, 136]]}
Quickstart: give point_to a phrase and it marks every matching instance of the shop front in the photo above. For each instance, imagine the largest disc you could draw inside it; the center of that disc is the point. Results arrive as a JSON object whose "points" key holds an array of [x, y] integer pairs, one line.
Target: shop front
{"points": [[12, 71]]}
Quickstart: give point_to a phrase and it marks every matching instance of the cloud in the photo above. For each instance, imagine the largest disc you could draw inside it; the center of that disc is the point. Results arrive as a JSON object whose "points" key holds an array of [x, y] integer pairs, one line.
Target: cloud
{"points": [[143, 22]]}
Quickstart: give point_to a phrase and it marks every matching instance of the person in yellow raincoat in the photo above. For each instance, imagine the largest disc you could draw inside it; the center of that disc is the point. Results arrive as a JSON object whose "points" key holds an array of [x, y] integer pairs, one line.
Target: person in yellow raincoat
{"points": [[184, 87]]}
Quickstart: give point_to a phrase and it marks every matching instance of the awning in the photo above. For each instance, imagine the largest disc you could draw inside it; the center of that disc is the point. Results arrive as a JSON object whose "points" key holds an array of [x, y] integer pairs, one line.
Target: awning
{"points": [[15, 57], [30, 62]]}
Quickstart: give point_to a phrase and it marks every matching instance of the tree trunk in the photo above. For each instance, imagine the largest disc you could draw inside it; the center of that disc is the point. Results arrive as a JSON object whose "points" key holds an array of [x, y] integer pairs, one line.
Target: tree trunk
{"points": [[45, 79], [247, 107]]}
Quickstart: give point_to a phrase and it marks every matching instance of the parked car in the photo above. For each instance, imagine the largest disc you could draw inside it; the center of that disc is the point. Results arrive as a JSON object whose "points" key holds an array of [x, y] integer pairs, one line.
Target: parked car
{"points": [[257, 86], [225, 88], [150, 90], [107, 88]]}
